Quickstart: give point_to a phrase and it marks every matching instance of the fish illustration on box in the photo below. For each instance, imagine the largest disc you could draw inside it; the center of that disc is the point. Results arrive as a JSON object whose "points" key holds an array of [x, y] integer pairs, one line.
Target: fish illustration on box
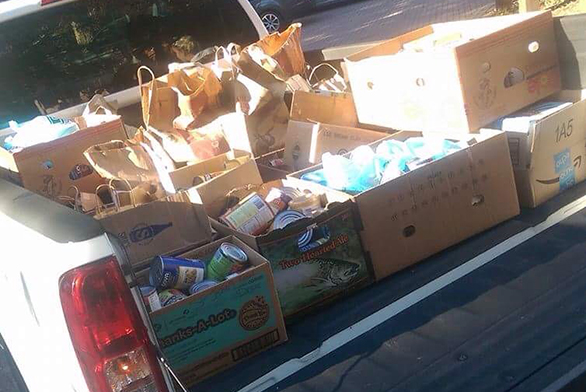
{"points": [[331, 265]]}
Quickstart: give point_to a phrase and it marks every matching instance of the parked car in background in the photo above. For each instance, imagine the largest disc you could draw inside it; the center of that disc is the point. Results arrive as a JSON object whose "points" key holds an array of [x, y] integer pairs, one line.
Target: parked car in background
{"points": [[277, 14]]}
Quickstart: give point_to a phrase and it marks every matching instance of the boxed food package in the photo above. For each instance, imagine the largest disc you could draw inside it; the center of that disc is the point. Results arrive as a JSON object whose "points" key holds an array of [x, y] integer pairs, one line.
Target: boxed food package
{"points": [[220, 326], [51, 168], [315, 259], [547, 143], [437, 203], [456, 76]]}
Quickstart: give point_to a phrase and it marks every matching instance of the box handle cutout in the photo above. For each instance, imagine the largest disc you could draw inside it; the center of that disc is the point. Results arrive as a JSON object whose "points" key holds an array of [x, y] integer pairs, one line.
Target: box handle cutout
{"points": [[408, 231], [513, 77], [477, 200], [370, 85], [533, 47], [48, 164], [485, 67], [420, 82]]}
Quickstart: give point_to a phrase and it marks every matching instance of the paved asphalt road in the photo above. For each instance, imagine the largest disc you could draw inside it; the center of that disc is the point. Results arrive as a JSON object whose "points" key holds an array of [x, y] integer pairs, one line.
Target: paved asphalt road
{"points": [[373, 20]]}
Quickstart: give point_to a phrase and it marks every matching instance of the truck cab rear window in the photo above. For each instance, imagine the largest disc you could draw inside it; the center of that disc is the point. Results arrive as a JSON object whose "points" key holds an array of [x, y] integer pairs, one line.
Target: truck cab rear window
{"points": [[62, 56]]}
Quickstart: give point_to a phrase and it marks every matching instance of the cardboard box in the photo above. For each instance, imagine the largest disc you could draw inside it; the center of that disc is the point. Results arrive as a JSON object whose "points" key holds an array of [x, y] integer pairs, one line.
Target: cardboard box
{"points": [[456, 76], [437, 205], [166, 226], [306, 142], [320, 123], [551, 156], [341, 248], [192, 175], [51, 168], [329, 108], [212, 330], [332, 265]]}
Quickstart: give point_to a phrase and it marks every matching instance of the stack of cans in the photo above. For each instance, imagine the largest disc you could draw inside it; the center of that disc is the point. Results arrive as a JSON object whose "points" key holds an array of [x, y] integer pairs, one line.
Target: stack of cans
{"points": [[173, 279]]}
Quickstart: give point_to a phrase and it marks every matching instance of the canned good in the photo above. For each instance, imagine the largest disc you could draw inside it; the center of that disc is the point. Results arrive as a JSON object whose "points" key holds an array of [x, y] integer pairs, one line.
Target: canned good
{"points": [[227, 260], [150, 298], [253, 215], [285, 218], [171, 296], [278, 200], [204, 284], [172, 272]]}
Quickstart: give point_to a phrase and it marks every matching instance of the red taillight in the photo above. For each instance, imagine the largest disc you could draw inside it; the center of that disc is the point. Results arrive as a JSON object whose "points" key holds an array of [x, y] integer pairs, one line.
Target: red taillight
{"points": [[109, 337], [44, 2]]}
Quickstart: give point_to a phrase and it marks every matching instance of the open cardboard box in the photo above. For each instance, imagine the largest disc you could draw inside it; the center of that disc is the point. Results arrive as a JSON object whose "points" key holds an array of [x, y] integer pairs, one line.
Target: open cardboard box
{"points": [[456, 76], [219, 327], [551, 156], [437, 205], [51, 168], [323, 123], [191, 175], [306, 276]]}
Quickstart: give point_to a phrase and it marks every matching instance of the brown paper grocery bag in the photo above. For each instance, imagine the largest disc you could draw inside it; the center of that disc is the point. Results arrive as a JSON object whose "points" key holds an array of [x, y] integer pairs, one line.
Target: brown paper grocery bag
{"points": [[158, 100], [280, 53], [123, 160], [166, 226], [196, 92]]}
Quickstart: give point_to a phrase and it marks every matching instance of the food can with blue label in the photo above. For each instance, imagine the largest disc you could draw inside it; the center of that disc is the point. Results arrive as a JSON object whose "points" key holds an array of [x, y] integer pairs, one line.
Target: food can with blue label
{"points": [[204, 284], [286, 218], [227, 260], [150, 298], [172, 272], [171, 296]]}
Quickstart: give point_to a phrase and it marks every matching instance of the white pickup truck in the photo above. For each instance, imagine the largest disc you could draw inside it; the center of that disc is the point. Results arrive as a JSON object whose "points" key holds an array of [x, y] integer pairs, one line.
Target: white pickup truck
{"points": [[503, 311], [73, 318]]}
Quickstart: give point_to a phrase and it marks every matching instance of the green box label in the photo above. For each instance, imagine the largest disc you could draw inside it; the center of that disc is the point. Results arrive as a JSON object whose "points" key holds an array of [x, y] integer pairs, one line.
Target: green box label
{"points": [[307, 274], [194, 330]]}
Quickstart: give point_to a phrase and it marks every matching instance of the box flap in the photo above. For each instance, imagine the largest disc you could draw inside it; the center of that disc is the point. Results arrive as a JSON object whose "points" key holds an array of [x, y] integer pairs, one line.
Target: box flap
{"points": [[183, 178], [333, 108]]}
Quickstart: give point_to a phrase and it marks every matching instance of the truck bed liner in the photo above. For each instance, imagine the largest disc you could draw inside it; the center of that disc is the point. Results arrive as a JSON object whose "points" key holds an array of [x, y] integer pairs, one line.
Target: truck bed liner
{"points": [[514, 324]]}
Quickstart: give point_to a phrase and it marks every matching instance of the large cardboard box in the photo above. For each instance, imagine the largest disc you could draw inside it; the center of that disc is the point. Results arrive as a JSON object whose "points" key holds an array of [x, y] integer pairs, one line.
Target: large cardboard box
{"points": [[167, 226], [212, 330], [320, 123], [551, 156], [437, 205], [306, 142], [306, 276], [456, 76], [51, 168]]}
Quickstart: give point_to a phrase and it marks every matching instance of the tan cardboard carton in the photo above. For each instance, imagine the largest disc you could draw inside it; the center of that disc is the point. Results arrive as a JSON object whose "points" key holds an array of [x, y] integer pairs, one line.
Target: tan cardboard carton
{"points": [[306, 275], [51, 168], [306, 142], [192, 175], [456, 76], [437, 205], [217, 328], [551, 156]]}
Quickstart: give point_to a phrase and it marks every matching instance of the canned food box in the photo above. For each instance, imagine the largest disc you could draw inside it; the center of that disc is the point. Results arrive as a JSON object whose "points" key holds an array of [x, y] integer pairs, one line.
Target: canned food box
{"points": [[236, 318]]}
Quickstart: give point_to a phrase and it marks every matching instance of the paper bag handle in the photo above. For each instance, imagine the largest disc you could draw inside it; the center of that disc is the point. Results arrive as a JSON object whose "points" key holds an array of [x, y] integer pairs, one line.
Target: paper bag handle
{"points": [[322, 65]]}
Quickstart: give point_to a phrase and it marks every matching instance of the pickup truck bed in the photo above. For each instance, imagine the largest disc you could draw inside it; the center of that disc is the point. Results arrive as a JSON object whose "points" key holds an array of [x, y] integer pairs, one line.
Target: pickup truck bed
{"points": [[471, 318]]}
